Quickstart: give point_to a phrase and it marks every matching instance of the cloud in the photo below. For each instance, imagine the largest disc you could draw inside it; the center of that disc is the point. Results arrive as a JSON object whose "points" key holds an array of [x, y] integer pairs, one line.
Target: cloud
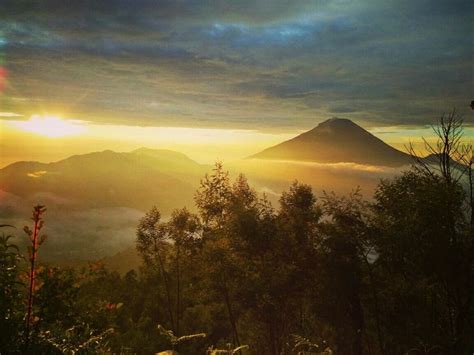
{"points": [[345, 168], [7, 115], [289, 64], [73, 233], [36, 174]]}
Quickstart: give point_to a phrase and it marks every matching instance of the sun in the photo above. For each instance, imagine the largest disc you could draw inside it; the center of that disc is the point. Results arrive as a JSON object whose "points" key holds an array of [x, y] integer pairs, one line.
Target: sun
{"points": [[51, 126]]}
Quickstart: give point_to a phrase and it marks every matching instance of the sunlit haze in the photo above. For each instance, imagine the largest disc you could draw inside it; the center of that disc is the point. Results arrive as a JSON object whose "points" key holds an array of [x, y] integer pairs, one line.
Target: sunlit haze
{"points": [[49, 126], [51, 137]]}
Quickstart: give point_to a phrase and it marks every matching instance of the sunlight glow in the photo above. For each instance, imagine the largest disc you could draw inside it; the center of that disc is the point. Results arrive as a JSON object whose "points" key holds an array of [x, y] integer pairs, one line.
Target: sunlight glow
{"points": [[50, 126]]}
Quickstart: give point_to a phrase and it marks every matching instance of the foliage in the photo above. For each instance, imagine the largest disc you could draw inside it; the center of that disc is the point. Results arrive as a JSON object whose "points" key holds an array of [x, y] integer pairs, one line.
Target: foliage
{"points": [[77, 340], [36, 240], [175, 340], [229, 351], [392, 275], [11, 290]]}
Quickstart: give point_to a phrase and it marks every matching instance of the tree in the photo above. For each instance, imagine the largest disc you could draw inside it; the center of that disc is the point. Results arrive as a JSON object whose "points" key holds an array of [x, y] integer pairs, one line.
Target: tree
{"points": [[152, 245], [467, 159], [425, 244], [184, 229], [213, 196], [213, 202], [293, 256], [342, 252], [448, 154], [451, 160]]}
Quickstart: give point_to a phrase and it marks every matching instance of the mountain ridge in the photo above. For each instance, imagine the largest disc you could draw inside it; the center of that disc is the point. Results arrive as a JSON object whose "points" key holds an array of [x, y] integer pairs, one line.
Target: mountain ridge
{"points": [[109, 178], [336, 140]]}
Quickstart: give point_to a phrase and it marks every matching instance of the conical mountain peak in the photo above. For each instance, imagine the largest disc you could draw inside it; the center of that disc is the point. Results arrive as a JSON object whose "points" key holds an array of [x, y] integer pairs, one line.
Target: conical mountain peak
{"points": [[337, 122], [337, 140]]}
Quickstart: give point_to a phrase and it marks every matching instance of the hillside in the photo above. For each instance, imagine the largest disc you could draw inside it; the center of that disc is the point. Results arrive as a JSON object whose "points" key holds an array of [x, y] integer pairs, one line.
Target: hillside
{"points": [[95, 200], [137, 179]]}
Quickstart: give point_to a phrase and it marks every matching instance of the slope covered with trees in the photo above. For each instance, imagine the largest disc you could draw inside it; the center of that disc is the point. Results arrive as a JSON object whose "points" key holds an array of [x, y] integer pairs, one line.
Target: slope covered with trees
{"points": [[332, 274]]}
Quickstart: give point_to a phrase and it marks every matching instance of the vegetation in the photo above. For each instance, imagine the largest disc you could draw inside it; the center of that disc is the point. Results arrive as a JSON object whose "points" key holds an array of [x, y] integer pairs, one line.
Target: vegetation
{"points": [[36, 240], [336, 275]]}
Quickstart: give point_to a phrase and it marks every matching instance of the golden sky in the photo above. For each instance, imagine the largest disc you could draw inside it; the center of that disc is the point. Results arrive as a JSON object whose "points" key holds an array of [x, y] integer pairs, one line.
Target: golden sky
{"points": [[50, 137], [224, 79]]}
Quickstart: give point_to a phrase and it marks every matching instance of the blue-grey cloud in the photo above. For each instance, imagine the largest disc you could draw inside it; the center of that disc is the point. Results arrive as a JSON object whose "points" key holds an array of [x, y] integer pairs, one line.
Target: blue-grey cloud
{"points": [[249, 64]]}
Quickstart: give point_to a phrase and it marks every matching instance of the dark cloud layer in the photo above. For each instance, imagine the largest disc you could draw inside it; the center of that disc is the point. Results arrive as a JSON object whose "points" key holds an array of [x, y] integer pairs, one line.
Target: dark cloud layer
{"points": [[244, 64]]}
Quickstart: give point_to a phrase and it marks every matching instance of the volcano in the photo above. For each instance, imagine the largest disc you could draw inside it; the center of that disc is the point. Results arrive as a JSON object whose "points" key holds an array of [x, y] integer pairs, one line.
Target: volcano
{"points": [[337, 140]]}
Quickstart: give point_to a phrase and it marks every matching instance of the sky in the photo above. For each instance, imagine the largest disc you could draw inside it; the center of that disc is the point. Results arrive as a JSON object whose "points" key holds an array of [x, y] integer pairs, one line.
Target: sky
{"points": [[225, 78]]}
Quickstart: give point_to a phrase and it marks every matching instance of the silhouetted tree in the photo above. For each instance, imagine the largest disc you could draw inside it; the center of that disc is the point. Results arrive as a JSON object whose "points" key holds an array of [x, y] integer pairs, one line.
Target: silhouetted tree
{"points": [[448, 153], [152, 243], [184, 229], [342, 254], [213, 200], [425, 245]]}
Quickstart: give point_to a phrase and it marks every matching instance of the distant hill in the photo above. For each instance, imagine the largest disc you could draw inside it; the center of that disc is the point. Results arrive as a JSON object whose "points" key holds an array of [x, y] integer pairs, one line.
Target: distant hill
{"points": [[137, 179], [337, 140], [435, 159]]}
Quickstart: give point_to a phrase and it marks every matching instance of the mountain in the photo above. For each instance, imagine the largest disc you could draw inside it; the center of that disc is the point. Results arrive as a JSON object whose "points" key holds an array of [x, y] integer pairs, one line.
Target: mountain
{"points": [[137, 179], [435, 159], [336, 140], [95, 200]]}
